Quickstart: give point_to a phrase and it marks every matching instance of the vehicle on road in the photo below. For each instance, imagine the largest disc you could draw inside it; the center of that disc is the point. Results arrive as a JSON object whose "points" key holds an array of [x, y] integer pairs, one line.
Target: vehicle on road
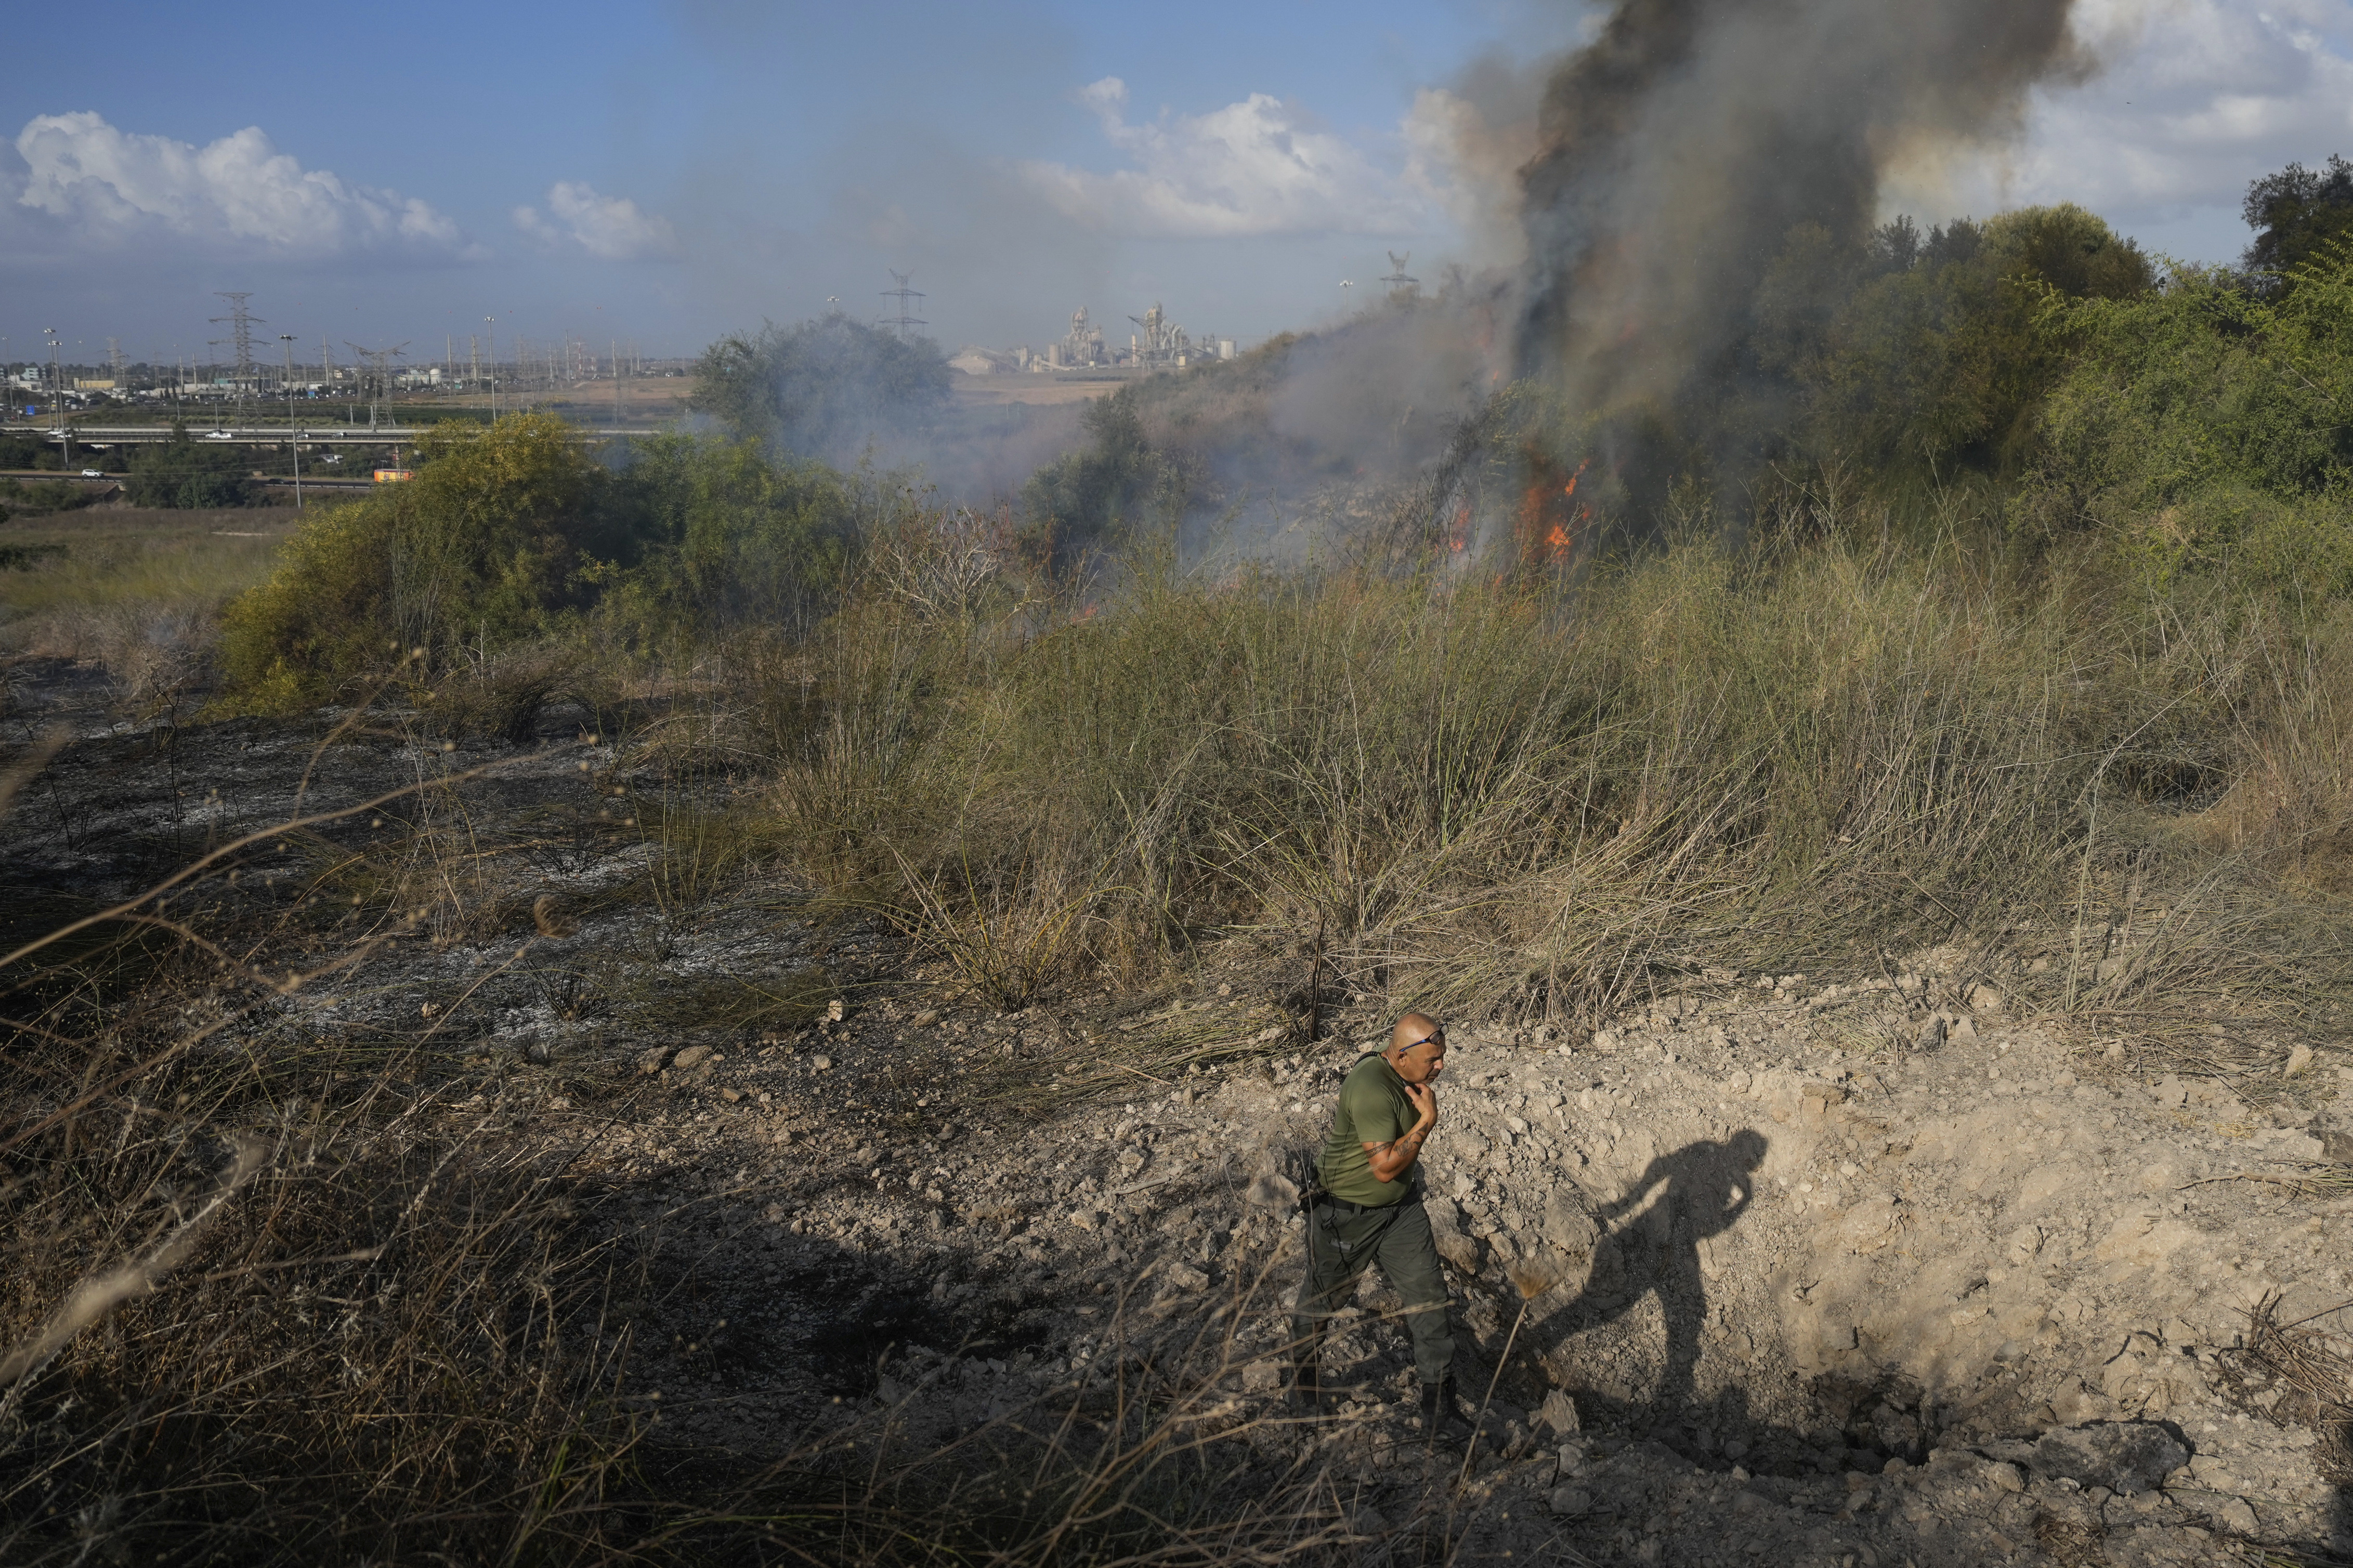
{"points": [[93, 473], [218, 435]]}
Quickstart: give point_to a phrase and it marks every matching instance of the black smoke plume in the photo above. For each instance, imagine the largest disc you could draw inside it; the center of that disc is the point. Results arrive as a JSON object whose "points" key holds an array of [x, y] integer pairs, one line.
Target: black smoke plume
{"points": [[1678, 150]]}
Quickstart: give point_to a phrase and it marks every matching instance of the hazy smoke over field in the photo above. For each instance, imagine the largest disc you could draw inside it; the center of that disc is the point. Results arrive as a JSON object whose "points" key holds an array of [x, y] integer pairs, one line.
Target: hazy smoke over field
{"points": [[1654, 175], [1675, 153]]}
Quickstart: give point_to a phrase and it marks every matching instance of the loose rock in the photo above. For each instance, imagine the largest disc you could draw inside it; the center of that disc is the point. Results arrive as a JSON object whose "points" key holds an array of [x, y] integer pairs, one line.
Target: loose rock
{"points": [[2125, 1456]]}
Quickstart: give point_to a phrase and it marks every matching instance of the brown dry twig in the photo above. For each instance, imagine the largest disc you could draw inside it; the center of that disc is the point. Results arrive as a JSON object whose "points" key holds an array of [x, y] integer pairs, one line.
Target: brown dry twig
{"points": [[98, 1294]]}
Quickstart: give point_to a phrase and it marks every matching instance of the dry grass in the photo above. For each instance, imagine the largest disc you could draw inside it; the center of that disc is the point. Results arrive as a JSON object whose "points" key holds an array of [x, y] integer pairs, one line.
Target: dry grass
{"points": [[1551, 799], [291, 1312], [138, 592], [1147, 1454], [332, 1305], [2309, 1361], [316, 1309], [327, 1309]]}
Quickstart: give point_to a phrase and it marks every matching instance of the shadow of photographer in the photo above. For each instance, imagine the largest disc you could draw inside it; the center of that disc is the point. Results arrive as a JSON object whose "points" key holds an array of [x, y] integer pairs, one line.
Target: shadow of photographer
{"points": [[1699, 1191]]}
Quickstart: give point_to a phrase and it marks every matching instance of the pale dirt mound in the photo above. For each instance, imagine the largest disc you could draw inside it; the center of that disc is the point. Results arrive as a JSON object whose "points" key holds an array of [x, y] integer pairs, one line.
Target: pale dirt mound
{"points": [[1954, 1305]]}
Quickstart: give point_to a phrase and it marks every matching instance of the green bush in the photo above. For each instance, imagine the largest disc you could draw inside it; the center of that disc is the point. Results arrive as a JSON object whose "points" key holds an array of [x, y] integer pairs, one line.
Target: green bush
{"points": [[1084, 500], [729, 539], [185, 474], [29, 452], [2202, 425], [44, 496], [516, 536], [1918, 356], [822, 389], [485, 548]]}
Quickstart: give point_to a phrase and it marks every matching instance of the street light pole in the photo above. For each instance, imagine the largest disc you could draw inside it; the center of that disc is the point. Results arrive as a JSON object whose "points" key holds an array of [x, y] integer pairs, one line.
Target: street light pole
{"points": [[57, 397], [491, 329], [293, 436]]}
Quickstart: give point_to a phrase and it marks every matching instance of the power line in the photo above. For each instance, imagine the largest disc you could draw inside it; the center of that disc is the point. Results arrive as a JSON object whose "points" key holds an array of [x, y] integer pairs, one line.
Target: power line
{"points": [[241, 322], [905, 318], [379, 361], [1400, 283]]}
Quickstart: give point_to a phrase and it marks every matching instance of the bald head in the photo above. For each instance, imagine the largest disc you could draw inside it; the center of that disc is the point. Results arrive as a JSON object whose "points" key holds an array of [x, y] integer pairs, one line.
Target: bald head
{"points": [[1417, 1047], [1414, 1028]]}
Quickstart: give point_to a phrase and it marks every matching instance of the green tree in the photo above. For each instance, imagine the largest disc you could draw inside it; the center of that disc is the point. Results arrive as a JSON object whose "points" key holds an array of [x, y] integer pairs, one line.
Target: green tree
{"points": [[1082, 500], [823, 389], [26, 452], [1920, 355], [181, 473], [2202, 425], [2296, 213], [2200, 382]]}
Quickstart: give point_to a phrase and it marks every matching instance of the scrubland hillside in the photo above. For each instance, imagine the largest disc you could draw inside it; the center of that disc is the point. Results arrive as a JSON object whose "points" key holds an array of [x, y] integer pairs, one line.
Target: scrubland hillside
{"points": [[699, 1007]]}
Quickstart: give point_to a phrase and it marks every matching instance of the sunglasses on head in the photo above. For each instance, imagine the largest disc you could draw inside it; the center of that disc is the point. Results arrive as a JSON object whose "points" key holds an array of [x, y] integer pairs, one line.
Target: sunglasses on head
{"points": [[1435, 1038]]}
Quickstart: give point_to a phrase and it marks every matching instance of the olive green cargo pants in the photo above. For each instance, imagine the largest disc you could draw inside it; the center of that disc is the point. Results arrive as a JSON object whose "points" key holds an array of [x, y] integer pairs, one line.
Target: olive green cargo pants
{"points": [[1397, 1237]]}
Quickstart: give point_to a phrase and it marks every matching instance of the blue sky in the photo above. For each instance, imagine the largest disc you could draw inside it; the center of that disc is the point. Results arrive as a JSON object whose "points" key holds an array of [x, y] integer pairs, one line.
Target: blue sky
{"points": [[665, 171]]}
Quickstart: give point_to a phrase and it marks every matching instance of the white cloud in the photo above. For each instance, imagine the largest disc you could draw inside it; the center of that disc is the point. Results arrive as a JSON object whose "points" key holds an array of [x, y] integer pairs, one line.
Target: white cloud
{"points": [[610, 227], [113, 188], [1256, 167], [2194, 100]]}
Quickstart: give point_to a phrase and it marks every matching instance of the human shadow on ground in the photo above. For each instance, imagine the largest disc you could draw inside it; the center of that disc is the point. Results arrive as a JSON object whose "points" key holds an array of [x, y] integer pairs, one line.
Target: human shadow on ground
{"points": [[1702, 1190]]}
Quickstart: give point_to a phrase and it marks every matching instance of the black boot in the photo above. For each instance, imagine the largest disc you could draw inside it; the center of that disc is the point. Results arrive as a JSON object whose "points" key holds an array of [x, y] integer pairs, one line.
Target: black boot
{"points": [[1441, 1416], [1307, 1385]]}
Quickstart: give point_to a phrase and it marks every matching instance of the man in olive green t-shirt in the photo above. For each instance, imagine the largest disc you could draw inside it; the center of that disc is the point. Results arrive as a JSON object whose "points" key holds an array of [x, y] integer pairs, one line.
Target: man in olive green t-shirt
{"points": [[1370, 1212]]}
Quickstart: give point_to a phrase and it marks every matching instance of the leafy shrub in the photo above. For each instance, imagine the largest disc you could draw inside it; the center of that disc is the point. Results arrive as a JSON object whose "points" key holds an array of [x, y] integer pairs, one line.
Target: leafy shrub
{"points": [[485, 548], [43, 496], [2202, 424], [822, 389], [29, 452], [730, 538], [516, 537], [1082, 500], [1915, 355], [188, 475]]}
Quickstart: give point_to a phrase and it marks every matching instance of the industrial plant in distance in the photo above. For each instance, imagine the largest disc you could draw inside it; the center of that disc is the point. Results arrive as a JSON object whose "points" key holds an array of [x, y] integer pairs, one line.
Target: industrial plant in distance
{"points": [[1159, 343]]}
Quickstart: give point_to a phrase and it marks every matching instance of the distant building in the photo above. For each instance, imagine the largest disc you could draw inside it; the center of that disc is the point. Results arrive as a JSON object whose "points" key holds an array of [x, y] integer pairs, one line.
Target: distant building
{"points": [[972, 360], [1081, 346], [1162, 342]]}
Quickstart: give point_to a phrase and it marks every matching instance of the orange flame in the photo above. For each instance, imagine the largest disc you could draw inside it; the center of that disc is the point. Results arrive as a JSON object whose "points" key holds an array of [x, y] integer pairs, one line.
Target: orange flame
{"points": [[1548, 524]]}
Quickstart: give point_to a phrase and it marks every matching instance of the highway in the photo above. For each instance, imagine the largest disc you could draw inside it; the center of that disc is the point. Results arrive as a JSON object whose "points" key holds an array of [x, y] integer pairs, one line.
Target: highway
{"points": [[269, 435]]}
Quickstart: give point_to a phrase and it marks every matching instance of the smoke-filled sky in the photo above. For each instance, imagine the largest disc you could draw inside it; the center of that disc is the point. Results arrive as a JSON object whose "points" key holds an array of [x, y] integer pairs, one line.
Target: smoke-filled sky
{"points": [[665, 171]]}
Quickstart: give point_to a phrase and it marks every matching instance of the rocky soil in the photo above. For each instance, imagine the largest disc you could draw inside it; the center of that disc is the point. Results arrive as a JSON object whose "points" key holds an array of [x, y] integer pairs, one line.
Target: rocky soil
{"points": [[1875, 1269]]}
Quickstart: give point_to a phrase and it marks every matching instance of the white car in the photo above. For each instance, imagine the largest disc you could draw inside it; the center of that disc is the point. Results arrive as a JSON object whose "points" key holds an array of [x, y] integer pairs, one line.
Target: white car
{"points": [[93, 474], [218, 435]]}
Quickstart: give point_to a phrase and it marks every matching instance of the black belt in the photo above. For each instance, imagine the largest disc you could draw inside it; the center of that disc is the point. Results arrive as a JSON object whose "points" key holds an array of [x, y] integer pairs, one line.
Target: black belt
{"points": [[1345, 1206]]}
